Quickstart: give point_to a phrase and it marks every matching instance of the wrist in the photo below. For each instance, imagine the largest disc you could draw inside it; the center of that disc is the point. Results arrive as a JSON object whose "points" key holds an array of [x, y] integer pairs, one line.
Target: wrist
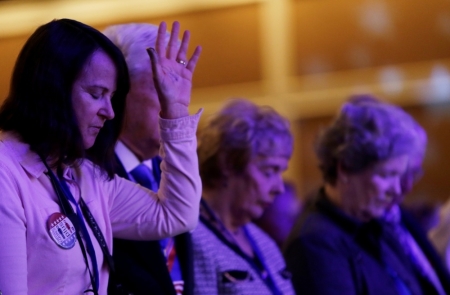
{"points": [[174, 111]]}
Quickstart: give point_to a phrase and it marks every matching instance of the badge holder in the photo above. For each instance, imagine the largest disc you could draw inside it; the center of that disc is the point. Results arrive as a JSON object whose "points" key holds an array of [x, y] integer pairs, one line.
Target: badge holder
{"points": [[60, 188], [69, 213]]}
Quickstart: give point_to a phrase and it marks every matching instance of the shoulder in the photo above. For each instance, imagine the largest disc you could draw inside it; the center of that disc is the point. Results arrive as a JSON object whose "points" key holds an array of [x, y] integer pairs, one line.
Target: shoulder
{"points": [[262, 238], [269, 249], [317, 224], [17, 161], [12, 150], [203, 237], [317, 232]]}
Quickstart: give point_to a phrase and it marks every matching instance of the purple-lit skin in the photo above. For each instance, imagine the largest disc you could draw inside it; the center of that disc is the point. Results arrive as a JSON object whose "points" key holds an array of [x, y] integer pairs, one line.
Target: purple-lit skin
{"points": [[412, 174], [139, 132], [416, 157], [279, 217], [263, 182], [368, 194], [91, 96]]}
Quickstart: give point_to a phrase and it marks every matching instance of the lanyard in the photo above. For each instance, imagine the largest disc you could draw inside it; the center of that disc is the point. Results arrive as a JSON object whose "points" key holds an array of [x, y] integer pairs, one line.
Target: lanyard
{"points": [[258, 263], [64, 196], [84, 232]]}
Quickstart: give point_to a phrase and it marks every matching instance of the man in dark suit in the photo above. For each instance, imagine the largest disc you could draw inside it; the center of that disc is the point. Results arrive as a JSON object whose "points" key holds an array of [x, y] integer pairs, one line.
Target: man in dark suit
{"points": [[145, 267]]}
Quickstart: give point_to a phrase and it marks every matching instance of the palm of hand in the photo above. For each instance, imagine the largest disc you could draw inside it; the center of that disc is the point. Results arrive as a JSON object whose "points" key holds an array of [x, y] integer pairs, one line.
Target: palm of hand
{"points": [[173, 78], [175, 83]]}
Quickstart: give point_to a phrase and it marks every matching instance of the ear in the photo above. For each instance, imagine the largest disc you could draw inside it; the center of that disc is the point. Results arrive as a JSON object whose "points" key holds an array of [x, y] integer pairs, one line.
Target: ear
{"points": [[342, 175], [224, 166]]}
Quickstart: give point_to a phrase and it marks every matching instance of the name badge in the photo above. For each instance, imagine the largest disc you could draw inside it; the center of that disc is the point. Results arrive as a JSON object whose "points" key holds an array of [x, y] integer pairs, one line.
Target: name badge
{"points": [[61, 230]]}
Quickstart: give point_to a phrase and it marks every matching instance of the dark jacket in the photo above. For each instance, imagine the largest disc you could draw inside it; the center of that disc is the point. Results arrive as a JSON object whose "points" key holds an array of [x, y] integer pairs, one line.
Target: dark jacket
{"points": [[141, 265], [330, 253]]}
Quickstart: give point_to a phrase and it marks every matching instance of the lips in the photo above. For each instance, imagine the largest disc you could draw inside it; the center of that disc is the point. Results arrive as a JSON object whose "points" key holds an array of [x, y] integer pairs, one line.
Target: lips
{"points": [[265, 204], [97, 127]]}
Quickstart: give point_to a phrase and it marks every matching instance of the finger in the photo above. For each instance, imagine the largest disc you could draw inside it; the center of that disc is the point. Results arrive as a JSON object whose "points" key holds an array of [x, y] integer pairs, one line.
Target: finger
{"points": [[154, 61], [161, 38], [194, 59], [184, 46], [173, 41]]}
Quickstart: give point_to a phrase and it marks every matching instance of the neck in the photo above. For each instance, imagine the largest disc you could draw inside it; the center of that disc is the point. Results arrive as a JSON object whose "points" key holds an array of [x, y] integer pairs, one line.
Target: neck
{"points": [[221, 205], [333, 195], [340, 198]]}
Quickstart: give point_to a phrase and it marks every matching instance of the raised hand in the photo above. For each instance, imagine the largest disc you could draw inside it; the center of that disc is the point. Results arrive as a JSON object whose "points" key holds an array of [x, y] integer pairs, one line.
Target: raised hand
{"points": [[172, 73]]}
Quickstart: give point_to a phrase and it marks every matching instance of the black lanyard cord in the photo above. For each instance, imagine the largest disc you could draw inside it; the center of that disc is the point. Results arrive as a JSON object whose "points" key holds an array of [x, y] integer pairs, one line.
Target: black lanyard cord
{"points": [[67, 209]]}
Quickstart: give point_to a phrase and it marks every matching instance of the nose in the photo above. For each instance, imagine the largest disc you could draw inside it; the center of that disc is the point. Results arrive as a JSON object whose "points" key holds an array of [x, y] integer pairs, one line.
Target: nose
{"points": [[106, 110], [397, 187], [406, 183], [278, 187]]}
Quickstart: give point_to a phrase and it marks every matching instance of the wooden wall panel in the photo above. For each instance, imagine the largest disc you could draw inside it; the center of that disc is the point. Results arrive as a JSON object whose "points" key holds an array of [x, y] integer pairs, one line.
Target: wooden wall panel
{"points": [[340, 35], [10, 48], [230, 39]]}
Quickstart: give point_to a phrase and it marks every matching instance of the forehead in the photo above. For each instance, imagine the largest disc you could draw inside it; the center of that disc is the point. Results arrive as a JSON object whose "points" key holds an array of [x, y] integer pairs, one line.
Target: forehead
{"points": [[98, 66], [276, 145], [277, 160], [395, 165]]}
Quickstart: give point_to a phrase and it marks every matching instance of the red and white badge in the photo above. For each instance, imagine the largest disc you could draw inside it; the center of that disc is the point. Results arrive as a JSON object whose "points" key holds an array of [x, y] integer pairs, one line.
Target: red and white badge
{"points": [[61, 230]]}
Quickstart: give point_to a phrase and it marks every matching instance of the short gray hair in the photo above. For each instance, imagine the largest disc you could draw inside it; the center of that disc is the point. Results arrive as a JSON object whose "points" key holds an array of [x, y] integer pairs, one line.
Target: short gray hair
{"points": [[367, 131], [239, 131], [133, 39]]}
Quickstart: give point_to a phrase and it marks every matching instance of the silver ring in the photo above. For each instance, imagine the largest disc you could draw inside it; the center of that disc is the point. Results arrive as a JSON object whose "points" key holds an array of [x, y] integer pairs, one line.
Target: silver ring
{"points": [[181, 62]]}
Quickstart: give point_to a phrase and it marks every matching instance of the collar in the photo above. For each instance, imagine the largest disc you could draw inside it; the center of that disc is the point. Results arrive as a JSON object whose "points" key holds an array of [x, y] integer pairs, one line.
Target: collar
{"points": [[346, 222], [29, 160], [126, 156]]}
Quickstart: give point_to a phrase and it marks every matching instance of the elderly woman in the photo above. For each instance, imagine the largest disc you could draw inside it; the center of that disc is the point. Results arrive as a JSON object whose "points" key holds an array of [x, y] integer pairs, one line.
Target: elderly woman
{"points": [[353, 238], [61, 203], [242, 151]]}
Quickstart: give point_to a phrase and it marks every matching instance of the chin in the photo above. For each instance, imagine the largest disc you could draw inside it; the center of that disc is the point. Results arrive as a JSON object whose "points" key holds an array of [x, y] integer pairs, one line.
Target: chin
{"points": [[257, 214], [378, 213], [88, 145]]}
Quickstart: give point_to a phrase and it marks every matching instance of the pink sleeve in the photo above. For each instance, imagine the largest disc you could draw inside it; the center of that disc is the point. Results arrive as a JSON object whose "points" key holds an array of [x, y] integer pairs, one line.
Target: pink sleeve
{"points": [[138, 213], [13, 249]]}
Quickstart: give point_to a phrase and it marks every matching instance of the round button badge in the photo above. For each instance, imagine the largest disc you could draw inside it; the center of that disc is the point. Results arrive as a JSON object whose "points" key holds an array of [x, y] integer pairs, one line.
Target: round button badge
{"points": [[61, 230]]}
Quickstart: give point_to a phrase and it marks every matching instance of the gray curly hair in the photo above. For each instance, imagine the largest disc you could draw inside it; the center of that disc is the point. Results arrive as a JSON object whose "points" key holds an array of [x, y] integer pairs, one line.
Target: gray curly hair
{"points": [[238, 132], [367, 131]]}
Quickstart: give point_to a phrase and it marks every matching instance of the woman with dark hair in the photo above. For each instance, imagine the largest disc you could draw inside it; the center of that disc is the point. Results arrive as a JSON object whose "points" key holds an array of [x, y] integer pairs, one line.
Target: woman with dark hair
{"points": [[61, 203], [353, 238]]}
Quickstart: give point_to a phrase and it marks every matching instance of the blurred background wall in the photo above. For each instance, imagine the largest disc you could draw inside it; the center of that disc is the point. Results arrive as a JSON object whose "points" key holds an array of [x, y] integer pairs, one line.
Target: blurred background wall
{"points": [[303, 57]]}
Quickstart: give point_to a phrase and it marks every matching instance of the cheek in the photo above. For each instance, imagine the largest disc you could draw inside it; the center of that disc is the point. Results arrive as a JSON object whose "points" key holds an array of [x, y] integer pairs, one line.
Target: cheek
{"points": [[259, 185], [367, 192], [249, 194]]}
